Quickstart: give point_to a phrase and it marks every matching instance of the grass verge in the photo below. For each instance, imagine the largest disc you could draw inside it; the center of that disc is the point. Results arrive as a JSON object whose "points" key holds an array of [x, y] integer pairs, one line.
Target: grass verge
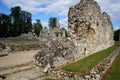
{"points": [[114, 71], [84, 65]]}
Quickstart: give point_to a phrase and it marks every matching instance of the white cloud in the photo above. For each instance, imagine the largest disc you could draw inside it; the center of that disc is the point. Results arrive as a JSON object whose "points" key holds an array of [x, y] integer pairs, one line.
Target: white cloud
{"points": [[61, 7], [112, 7], [48, 6], [116, 28], [28, 5], [44, 24], [64, 23]]}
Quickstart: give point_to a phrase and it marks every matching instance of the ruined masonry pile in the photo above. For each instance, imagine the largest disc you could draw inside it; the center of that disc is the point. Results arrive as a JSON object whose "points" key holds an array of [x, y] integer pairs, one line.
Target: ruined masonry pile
{"points": [[55, 53], [89, 30]]}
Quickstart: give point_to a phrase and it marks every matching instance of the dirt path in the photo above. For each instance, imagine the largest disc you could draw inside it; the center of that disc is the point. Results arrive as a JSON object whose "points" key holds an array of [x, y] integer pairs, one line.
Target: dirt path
{"points": [[17, 58], [26, 75], [19, 66]]}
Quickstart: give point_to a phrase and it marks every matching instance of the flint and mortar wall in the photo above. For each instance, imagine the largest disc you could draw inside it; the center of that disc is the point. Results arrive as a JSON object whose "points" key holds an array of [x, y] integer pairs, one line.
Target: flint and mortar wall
{"points": [[95, 74], [23, 47]]}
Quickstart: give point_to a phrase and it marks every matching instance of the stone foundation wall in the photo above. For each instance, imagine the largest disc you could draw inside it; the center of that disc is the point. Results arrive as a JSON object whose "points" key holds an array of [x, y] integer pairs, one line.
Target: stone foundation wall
{"points": [[23, 47], [95, 74]]}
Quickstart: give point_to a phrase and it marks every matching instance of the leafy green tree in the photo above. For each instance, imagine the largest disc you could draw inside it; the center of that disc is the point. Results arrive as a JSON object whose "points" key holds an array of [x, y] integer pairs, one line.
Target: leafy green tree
{"points": [[117, 35], [26, 22], [37, 27], [52, 22], [4, 25], [21, 21], [16, 22]]}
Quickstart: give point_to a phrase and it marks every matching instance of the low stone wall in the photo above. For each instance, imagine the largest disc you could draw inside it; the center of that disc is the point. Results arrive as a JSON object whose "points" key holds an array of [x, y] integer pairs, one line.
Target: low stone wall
{"points": [[95, 74], [23, 47]]}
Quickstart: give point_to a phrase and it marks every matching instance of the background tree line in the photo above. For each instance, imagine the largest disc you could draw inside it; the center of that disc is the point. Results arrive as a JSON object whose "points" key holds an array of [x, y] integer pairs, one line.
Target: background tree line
{"points": [[52, 22], [19, 22], [117, 35], [16, 23]]}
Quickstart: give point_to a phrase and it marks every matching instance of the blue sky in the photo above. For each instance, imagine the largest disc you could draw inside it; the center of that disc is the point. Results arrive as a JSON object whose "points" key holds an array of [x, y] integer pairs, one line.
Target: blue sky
{"points": [[43, 9]]}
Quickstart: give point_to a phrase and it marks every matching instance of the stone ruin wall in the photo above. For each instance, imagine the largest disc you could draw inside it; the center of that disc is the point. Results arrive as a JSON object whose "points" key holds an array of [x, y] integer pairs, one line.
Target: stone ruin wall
{"points": [[15, 47], [23, 37], [55, 53], [52, 33], [89, 31], [28, 47], [96, 73], [89, 27]]}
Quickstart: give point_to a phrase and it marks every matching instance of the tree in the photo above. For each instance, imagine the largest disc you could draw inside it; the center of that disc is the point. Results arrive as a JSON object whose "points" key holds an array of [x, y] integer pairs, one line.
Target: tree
{"points": [[16, 23], [52, 22], [26, 22], [117, 35], [4, 25], [21, 21], [37, 27], [15, 18]]}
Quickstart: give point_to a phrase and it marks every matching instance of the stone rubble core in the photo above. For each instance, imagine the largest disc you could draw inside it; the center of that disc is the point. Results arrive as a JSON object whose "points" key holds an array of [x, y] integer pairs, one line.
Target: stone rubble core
{"points": [[27, 47], [55, 53], [89, 31]]}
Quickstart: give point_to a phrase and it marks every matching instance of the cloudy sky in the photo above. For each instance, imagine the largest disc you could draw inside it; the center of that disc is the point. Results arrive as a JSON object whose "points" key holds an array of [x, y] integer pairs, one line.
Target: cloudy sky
{"points": [[43, 9]]}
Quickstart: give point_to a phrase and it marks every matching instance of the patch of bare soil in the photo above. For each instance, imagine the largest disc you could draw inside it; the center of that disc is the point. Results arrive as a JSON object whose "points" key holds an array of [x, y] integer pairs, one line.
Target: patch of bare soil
{"points": [[17, 58], [19, 66]]}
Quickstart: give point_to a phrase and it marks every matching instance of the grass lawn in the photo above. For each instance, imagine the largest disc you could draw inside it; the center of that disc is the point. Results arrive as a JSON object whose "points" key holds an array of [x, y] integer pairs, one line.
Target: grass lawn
{"points": [[114, 71], [24, 42], [84, 65]]}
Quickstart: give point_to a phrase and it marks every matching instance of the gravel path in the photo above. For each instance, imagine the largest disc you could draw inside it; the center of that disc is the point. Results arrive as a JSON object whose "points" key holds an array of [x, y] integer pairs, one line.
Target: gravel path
{"points": [[17, 58], [26, 75]]}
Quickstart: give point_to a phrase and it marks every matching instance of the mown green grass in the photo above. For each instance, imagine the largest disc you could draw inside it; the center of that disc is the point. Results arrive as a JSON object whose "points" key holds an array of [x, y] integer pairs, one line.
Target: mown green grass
{"points": [[114, 72], [24, 42], [86, 64]]}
